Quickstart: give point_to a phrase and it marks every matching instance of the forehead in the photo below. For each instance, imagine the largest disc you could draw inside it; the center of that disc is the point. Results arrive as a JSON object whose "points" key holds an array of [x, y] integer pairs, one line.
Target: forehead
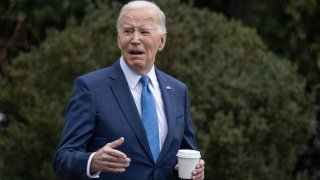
{"points": [[139, 16]]}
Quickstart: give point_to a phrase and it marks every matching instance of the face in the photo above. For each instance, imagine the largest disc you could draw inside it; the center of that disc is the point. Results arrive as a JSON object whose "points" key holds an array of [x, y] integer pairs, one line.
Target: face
{"points": [[139, 39]]}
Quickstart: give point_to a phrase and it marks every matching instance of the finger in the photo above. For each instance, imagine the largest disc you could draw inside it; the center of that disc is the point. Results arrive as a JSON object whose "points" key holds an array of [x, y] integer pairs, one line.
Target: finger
{"points": [[116, 143], [116, 159], [199, 176], [112, 168], [117, 166], [200, 164], [119, 170], [198, 173], [109, 148], [109, 155], [107, 151], [176, 167]]}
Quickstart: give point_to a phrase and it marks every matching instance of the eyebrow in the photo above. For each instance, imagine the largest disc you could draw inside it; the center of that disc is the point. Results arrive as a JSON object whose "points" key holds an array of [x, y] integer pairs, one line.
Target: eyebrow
{"points": [[140, 28]]}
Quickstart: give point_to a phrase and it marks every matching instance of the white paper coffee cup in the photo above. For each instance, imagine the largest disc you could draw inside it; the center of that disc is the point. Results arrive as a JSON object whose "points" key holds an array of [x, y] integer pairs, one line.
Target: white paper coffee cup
{"points": [[187, 162]]}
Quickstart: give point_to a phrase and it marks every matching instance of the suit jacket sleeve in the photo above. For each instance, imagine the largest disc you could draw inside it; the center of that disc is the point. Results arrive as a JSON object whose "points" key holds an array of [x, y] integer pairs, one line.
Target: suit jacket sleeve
{"points": [[189, 139], [72, 156]]}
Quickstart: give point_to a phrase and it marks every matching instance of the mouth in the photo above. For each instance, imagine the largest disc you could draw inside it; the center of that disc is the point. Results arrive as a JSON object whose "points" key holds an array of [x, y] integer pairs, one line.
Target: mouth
{"points": [[136, 52]]}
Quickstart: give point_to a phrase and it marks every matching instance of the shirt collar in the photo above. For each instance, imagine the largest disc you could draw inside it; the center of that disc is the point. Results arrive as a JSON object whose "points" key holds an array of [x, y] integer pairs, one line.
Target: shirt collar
{"points": [[133, 78]]}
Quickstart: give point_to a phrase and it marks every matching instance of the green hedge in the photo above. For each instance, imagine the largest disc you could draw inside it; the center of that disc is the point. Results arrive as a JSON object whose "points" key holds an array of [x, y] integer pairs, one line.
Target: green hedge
{"points": [[250, 112]]}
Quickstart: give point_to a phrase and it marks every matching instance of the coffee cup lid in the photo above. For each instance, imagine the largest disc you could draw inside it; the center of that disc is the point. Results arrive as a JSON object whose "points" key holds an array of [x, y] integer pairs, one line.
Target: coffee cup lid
{"points": [[188, 153]]}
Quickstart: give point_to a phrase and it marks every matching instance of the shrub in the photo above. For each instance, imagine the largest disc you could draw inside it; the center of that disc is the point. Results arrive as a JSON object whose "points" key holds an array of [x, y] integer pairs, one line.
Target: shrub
{"points": [[251, 115]]}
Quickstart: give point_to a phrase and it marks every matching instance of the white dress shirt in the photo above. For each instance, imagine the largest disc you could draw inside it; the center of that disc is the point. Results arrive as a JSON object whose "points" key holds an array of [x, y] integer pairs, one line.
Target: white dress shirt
{"points": [[135, 87]]}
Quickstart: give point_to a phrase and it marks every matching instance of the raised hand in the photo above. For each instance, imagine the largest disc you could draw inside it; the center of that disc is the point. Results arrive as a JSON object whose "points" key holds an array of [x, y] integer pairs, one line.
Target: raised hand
{"points": [[109, 159]]}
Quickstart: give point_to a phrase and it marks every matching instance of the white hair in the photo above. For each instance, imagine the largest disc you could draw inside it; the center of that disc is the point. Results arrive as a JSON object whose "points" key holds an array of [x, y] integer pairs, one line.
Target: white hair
{"points": [[139, 4]]}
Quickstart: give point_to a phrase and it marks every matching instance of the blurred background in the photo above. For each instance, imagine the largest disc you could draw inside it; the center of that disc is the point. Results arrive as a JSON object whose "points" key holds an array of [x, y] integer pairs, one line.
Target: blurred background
{"points": [[252, 68]]}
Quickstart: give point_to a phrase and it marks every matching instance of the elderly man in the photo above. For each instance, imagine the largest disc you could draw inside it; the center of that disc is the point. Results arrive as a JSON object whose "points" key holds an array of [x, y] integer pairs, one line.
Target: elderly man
{"points": [[129, 120]]}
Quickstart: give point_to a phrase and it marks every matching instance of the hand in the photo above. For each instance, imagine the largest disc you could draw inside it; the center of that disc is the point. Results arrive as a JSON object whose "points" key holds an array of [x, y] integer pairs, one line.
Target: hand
{"points": [[109, 159], [198, 173]]}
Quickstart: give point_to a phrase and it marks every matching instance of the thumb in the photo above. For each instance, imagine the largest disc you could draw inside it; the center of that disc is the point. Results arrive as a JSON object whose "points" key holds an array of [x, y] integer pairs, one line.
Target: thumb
{"points": [[116, 143]]}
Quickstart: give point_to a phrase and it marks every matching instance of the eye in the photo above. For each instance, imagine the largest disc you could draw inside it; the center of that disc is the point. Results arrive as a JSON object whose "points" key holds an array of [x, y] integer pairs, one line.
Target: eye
{"points": [[145, 32], [127, 31]]}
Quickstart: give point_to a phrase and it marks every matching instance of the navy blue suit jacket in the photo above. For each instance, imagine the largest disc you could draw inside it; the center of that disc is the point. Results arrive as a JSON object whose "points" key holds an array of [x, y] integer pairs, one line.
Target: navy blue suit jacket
{"points": [[101, 109]]}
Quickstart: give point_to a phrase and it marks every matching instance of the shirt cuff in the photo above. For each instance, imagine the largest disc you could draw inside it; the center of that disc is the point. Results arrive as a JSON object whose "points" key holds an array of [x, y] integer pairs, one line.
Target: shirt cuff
{"points": [[95, 174]]}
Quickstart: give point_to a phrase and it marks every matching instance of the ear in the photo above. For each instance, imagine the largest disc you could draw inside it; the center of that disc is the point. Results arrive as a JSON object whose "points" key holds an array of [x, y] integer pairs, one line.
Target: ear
{"points": [[119, 41], [163, 39]]}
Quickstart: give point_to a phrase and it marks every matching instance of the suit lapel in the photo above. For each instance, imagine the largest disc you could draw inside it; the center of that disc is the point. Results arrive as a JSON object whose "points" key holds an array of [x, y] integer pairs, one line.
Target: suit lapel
{"points": [[167, 93], [124, 97]]}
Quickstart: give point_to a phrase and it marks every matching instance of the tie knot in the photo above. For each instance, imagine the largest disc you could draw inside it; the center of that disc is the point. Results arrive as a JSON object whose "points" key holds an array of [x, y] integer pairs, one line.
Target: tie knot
{"points": [[145, 80]]}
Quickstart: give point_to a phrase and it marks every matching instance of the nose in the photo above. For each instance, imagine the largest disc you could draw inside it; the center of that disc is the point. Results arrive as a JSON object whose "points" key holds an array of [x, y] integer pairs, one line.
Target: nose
{"points": [[136, 38]]}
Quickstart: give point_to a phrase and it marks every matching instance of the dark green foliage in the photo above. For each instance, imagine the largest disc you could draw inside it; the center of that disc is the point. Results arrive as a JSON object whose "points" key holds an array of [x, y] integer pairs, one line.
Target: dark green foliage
{"points": [[249, 107], [24, 23], [41, 82], [289, 28], [36, 16], [250, 112]]}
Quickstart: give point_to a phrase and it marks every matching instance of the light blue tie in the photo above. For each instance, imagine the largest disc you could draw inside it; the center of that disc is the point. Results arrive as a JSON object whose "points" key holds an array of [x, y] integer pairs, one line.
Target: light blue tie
{"points": [[149, 117]]}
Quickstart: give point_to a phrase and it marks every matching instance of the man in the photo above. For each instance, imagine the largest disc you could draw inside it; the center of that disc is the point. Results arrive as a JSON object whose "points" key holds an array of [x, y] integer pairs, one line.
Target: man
{"points": [[120, 127]]}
